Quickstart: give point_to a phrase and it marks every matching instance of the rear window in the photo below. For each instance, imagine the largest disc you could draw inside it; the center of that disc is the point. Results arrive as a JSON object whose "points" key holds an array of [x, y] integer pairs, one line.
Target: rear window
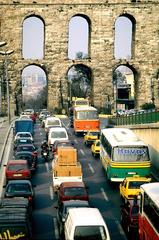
{"points": [[15, 167], [13, 188], [90, 233], [16, 232], [59, 134], [74, 191], [26, 148]]}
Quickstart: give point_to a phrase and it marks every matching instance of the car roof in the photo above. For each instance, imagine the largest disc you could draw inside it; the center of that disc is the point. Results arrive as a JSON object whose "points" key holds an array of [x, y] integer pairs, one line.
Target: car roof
{"points": [[57, 129], [23, 152], [72, 184], [75, 203], [137, 178], [19, 181], [27, 145], [16, 162]]}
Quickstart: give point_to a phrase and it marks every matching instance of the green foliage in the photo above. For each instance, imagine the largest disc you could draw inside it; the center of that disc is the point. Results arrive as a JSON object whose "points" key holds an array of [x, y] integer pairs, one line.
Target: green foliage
{"points": [[147, 106]]}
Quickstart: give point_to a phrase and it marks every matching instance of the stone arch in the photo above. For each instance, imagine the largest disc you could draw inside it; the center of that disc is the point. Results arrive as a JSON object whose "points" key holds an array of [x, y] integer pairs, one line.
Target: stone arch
{"points": [[87, 28], [80, 84], [124, 86], [34, 86], [37, 36], [128, 39]]}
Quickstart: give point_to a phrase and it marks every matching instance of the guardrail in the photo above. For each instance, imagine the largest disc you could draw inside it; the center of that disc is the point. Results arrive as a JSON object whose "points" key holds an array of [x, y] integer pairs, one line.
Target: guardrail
{"points": [[138, 118]]}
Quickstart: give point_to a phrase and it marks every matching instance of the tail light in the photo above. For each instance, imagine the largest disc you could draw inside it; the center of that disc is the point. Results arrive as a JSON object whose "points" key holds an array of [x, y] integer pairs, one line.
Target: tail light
{"points": [[30, 198]]}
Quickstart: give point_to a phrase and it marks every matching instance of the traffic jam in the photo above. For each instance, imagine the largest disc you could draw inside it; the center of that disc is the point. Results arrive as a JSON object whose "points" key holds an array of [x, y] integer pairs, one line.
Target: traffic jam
{"points": [[69, 178]]}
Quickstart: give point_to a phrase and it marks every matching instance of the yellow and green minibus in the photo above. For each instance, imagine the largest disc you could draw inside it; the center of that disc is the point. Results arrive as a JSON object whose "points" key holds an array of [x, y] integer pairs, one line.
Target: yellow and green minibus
{"points": [[123, 154]]}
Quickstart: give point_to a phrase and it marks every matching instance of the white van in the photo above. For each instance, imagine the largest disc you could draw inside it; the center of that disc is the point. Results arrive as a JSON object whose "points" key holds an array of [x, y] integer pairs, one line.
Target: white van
{"points": [[57, 133], [85, 223], [52, 122]]}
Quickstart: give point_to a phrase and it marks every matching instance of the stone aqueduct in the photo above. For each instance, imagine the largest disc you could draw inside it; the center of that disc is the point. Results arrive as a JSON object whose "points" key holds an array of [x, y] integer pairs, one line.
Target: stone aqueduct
{"points": [[102, 14]]}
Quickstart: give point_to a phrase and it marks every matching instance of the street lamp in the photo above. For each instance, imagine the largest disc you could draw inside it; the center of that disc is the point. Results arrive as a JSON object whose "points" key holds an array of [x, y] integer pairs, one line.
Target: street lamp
{"points": [[6, 53]]}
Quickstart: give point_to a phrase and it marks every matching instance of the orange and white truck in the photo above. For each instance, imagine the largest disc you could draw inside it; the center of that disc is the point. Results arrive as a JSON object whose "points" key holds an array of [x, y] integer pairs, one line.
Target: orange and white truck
{"points": [[66, 167]]}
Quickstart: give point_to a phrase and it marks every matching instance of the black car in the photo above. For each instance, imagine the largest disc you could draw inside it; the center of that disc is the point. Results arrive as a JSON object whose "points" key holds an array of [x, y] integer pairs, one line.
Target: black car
{"points": [[29, 156], [29, 148], [63, 210], [20, 188], [21, 141]]}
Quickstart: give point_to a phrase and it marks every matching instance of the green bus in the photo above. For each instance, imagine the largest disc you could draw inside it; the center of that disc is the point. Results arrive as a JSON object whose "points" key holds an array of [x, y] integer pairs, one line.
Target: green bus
{"points": [[123, 154]]}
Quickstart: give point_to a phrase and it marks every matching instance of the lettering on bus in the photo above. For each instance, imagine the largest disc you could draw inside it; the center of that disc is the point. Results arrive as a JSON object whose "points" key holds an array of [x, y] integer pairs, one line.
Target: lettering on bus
{"points": [[122, 151]]}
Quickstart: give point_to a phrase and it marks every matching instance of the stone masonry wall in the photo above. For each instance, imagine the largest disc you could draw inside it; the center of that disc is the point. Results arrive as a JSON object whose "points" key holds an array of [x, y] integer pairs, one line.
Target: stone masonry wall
{"points": [[102, 14]]}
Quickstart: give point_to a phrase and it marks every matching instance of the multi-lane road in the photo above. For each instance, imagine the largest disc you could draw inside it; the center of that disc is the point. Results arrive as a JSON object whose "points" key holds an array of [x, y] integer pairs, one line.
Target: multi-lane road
{"points": [[102, 195]]}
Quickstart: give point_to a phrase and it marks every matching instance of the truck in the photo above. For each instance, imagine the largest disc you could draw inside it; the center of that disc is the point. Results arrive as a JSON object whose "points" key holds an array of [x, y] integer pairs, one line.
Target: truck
{"points": [[66, 167], [15, 223], [24, 125]]}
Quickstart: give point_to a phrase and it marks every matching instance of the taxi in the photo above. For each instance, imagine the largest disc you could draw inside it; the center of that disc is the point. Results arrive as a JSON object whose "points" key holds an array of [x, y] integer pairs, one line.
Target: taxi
{"points": [[95, 148], [130, 187], [91, 136]]}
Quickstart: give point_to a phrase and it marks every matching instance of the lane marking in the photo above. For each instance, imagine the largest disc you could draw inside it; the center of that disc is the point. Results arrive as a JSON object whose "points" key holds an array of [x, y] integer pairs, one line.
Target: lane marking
{"points": [[56, 228], [91, 168], [47, 166], [104, 194], [82, 152], [51, 193], [120, 229]]}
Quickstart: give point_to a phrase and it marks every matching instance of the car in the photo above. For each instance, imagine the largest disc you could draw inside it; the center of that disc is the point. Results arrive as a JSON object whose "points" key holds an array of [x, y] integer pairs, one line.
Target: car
{"points": [[23, 135], [57, 144], [17, 170], [72, 191], [20, 188], [129, 213], [130, 187], [62, 211], [44, 113], [27, 155], [57, 133], [28, 147], [21, 141], [95, 148], [91, 136], [52, 122]]}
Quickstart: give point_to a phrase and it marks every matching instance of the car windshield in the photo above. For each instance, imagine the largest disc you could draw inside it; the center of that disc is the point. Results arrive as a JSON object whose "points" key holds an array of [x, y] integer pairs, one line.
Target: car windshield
{"points": [[53, 122], [90, 233], [14, 188], [17, 167], [59, 134], [98, 144], [94, 133], [74, 191]]}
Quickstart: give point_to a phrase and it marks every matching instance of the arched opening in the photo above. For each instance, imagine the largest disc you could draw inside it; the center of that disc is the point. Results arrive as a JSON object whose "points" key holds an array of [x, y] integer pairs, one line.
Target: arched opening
{"points": [[33, 38], [34, 87], [78, 43], [79, 81], [123, 88], [124, 37]]}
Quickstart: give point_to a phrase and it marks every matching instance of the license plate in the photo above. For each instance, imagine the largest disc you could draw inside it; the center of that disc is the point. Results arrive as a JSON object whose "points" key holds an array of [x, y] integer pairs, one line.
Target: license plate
{"points": [[17, 175], [132, 173], [45, 154]]}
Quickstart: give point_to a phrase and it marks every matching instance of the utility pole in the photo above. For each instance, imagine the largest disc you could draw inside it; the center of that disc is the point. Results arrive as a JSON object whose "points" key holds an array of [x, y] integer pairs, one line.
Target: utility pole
{"points": [[5, 54]]}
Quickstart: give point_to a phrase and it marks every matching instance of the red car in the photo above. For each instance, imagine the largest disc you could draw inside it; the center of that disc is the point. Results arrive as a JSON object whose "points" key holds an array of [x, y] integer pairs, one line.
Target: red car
{"points": [[17, 169], [72, 191]]}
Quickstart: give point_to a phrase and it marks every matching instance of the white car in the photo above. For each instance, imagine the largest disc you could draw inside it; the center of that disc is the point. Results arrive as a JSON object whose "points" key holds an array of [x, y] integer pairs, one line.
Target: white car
{"points": [[52, 122], [43, 114], [23, 135], [57, 133]]}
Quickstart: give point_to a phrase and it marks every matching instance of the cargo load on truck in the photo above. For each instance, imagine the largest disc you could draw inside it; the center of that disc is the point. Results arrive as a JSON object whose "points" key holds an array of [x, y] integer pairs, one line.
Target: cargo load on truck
{"points": [[66, 167]]}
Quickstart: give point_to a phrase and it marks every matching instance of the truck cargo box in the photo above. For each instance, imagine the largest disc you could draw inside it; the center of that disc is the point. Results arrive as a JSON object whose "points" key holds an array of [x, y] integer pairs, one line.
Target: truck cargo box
{"points": [[67, 170], [67, 156]]}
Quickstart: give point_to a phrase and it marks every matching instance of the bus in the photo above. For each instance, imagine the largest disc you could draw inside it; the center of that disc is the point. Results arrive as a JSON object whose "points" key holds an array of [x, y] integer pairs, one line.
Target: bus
{"points": [[123, 154], [85, 118], [149, 212]]}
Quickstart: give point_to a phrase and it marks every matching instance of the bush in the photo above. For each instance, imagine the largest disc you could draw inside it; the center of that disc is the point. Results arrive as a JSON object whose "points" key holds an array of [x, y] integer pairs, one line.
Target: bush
{"points": [[147, 106]]}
